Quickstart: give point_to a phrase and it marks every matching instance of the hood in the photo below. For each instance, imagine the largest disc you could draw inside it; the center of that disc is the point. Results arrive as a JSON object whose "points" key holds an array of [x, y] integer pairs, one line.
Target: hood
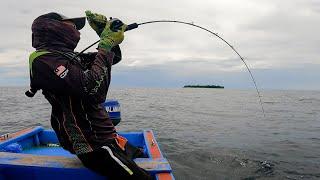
{"points": [[52, 34]]}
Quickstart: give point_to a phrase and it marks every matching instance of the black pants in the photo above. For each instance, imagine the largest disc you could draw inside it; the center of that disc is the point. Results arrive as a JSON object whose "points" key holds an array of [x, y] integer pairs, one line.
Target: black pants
{"points": [[114, 163]]}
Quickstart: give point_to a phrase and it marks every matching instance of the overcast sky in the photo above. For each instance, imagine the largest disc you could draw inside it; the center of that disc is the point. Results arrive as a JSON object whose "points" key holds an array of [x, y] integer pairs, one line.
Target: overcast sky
{"points": [[278, 39]]}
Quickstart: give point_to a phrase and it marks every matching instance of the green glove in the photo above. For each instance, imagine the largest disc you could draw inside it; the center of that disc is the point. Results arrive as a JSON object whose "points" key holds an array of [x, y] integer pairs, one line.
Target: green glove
{"points": [[96, 21], [109, 39]]}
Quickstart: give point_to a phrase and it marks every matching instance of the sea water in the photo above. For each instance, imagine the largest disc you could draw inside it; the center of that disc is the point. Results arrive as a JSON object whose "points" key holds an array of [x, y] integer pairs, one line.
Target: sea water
{"points": [[207, 133]]}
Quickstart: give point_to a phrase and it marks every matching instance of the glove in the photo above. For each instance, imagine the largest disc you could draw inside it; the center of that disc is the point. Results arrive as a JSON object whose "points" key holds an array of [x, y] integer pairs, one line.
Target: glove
{"points": [[96, 21], [109, 38]]}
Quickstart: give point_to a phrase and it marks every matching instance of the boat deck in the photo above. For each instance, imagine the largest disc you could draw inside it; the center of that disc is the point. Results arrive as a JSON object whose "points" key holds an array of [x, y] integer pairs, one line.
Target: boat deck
{"points": [[42, 158]]}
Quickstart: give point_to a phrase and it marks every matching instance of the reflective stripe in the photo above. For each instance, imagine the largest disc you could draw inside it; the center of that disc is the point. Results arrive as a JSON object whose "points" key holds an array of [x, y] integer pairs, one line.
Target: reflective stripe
{"points": [[118, 160]]}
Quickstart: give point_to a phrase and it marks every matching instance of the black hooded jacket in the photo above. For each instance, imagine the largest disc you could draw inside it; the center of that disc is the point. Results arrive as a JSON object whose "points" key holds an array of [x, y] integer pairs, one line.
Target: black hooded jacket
{"points": [[74, 91]]}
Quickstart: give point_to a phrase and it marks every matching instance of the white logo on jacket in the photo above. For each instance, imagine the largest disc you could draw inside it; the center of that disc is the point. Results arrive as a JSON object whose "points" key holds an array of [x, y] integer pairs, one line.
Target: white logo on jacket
{"points": [[61, 71]]}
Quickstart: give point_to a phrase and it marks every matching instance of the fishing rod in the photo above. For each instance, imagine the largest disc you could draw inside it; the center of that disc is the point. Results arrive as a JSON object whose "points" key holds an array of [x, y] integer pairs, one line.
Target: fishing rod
{"points": [[116, 25]]}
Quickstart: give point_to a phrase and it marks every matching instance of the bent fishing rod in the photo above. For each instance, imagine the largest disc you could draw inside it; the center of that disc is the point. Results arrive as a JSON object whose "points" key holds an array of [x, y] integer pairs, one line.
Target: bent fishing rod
{"points": [[116, 25]]}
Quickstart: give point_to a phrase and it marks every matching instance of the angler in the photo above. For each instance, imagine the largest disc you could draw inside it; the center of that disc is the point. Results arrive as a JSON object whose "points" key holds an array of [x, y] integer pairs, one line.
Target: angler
{"points": [[76, 85]]}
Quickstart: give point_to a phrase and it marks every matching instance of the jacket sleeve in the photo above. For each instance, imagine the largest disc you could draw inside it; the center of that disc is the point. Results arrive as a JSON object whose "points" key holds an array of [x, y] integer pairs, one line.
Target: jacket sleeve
{"points": [[58, 75]]}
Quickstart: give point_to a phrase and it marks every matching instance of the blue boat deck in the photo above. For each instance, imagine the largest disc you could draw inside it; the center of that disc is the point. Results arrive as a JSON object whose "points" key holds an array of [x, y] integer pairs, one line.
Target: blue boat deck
{"points": [[42, 158]]}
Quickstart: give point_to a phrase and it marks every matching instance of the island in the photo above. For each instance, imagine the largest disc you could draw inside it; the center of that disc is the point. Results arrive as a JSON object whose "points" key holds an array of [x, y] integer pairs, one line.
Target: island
{"points": [[203, 86]]}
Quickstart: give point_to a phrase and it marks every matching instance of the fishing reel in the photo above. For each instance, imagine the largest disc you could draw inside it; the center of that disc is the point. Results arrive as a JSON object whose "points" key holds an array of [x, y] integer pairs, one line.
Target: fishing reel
{"points": [[116, 25]]}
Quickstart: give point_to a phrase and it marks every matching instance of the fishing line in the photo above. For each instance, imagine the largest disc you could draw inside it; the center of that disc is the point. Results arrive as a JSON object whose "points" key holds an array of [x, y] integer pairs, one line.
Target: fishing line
{"points": [[135, 25]]}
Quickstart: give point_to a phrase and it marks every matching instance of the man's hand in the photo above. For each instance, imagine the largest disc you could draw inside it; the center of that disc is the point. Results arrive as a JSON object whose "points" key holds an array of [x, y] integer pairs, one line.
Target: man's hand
{"points": [[109, 38], [96, 21]]}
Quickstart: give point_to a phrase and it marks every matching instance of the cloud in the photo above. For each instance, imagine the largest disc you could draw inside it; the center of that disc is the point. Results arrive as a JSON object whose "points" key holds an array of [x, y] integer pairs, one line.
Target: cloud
{"points": [[278, 36]]}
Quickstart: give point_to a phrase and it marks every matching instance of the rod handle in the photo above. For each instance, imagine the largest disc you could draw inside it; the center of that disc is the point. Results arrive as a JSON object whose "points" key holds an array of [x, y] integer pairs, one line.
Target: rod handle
{"points": [[131, 26]]}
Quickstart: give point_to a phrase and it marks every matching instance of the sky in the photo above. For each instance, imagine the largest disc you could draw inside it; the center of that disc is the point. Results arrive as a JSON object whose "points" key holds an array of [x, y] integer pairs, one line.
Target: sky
{"points": [[278, 39]]}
